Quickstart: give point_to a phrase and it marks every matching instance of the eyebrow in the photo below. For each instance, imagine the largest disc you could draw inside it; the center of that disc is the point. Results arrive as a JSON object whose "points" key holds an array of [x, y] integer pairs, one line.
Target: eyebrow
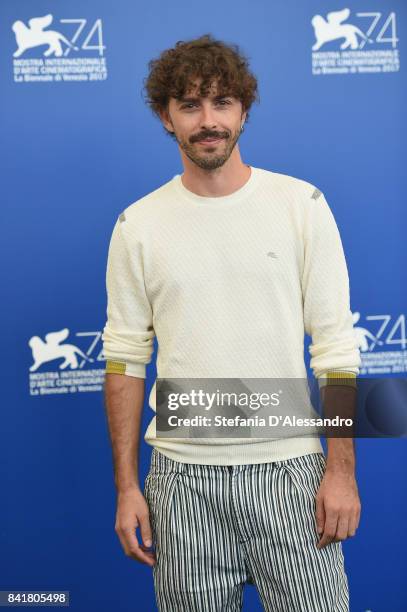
{"points": [[191, 99]]}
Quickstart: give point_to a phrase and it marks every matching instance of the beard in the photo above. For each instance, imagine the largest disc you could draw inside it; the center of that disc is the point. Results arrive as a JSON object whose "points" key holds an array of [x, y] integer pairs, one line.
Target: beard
{"points": [[207, 156]]}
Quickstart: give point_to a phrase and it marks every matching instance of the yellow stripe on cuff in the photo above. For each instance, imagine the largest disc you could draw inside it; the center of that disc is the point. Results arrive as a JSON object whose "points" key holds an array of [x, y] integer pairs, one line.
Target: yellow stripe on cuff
{"points": [[335, 377], [115, 367]]}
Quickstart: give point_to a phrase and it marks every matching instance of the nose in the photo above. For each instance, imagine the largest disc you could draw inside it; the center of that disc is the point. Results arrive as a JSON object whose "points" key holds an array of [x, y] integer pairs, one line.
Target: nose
{"points": [[207, 118]]}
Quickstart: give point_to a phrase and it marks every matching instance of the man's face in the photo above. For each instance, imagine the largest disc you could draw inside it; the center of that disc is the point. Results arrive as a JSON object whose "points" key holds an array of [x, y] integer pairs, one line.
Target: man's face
{"points": [[206, 128]]}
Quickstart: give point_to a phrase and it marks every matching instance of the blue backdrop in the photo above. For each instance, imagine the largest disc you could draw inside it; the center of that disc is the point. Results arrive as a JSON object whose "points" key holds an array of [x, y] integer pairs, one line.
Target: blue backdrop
{"points": [[78, 145]]}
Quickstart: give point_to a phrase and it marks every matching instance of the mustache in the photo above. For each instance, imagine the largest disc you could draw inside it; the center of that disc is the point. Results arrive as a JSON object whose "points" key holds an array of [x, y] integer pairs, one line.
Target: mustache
{"points": [[207, 134]]}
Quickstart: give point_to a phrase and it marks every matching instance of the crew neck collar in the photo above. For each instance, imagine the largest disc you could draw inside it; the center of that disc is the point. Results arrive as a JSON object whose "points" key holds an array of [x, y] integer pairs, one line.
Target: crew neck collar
{"points": [[231, 198]]}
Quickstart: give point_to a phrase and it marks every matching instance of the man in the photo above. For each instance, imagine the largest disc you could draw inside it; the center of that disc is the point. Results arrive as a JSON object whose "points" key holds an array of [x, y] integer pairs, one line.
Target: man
{"points": [[228, 265]]}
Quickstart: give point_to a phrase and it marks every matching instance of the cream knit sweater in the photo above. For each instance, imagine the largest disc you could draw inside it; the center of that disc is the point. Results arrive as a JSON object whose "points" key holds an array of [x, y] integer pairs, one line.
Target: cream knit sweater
{"points": [[229, 285]]}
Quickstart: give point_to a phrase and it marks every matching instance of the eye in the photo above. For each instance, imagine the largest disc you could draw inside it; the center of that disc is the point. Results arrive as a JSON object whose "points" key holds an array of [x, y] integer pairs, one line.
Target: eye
{"points": [[189, 105], [223, 102]]}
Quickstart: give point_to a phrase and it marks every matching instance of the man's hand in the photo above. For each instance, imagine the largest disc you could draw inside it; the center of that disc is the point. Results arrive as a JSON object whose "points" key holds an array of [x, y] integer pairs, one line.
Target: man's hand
{"points": [[337, 507], [132, 512]]}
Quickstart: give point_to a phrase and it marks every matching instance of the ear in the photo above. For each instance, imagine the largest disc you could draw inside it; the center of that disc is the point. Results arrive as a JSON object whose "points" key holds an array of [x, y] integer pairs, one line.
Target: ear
{"points": [[243, 119], [166, 120]]}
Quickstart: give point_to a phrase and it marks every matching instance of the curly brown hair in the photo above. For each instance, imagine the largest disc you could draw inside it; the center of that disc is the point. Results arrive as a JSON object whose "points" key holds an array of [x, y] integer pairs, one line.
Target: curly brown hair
{"points": [[173, 72]]}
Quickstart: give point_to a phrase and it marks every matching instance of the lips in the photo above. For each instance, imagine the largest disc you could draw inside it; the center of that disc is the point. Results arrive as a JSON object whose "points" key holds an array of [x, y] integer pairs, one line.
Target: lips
{"points": [[208, 140]]}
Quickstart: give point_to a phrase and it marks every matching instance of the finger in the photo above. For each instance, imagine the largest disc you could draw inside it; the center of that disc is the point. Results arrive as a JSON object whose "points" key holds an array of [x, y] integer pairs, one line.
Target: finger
{"points": [[139, 554], [145, 530], [320, 514], [358, 513], [132, 548], [326, 539], [342, 528], [353, 524], [328, 535]]}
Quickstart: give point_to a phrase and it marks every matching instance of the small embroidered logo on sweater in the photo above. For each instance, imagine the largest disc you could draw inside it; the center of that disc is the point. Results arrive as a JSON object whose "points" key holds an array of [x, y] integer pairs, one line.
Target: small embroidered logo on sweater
{"points": [[271, 254]]}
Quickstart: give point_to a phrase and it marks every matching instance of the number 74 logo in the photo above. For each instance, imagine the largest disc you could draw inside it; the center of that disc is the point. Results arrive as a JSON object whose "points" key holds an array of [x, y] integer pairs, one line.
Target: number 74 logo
{"points": [[95, 31]]}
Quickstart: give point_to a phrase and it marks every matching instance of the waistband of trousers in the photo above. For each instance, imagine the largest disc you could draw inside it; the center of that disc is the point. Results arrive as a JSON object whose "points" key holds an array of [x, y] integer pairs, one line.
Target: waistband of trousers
{"points": [[162, 464]]}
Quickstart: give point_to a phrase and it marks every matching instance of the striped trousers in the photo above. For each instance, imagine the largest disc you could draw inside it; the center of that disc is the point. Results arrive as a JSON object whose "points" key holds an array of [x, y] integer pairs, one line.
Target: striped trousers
{"points": [[216, 528]]}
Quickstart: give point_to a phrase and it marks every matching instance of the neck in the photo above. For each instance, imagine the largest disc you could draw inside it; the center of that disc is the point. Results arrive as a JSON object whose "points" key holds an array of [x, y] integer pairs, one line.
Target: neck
{"points": [[218, 182]]}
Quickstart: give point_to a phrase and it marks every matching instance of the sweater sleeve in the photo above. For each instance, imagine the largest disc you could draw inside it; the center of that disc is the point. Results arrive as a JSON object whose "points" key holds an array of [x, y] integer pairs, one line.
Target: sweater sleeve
{"points": [[128, 334], [328, 319]]}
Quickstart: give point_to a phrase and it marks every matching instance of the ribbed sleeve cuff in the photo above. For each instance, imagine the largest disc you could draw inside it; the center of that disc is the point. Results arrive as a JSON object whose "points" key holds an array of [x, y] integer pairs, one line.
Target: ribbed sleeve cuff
{"points": [[337, 377], [128, 369]]}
